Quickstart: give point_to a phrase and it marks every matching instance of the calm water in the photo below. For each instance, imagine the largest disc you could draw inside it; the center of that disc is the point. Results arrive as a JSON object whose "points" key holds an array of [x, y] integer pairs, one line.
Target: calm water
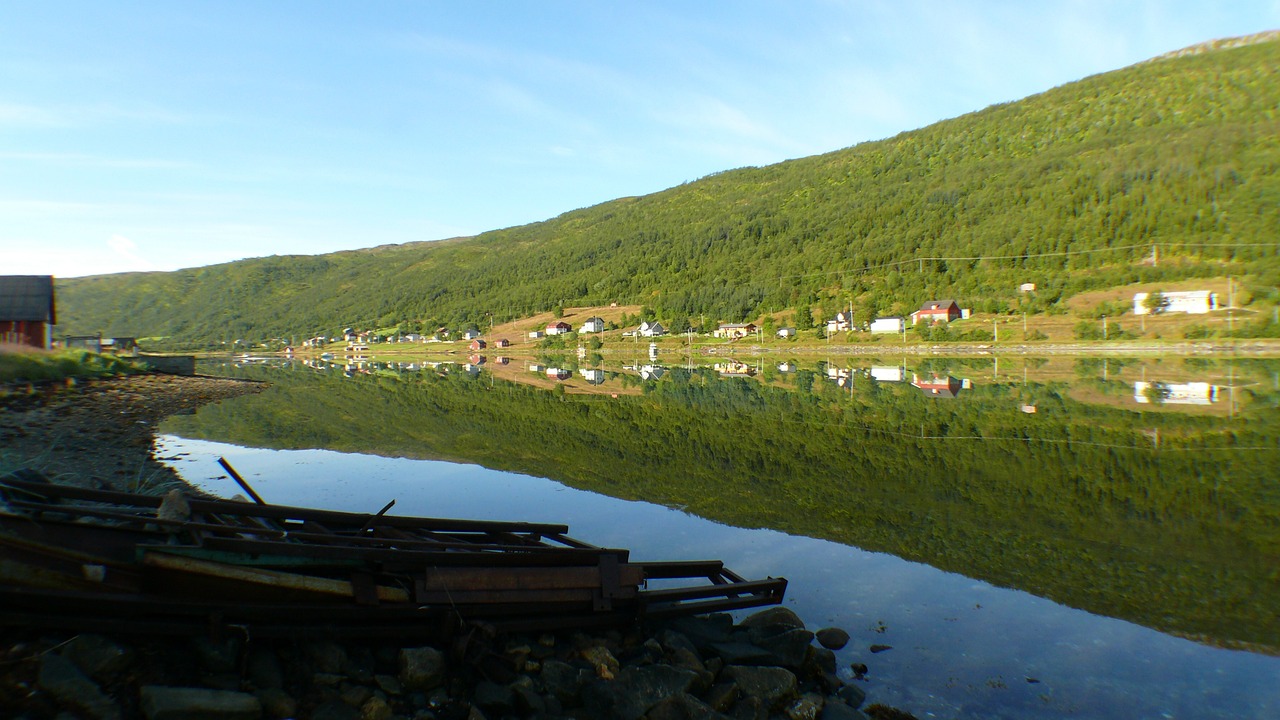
{"points": [[937, 518]]}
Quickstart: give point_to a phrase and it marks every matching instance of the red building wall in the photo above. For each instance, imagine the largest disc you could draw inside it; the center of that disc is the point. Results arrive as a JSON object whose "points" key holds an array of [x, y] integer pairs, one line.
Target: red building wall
{"points": [[23, 332]]}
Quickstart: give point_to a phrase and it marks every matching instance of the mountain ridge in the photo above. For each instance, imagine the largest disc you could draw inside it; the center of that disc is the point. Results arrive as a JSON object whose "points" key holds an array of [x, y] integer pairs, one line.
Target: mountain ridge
{"points": [[1181, 154]]}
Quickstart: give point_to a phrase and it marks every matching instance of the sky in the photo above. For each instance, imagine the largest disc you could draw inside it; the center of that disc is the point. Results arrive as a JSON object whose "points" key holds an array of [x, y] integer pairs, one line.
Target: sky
{"points": [[141, 136]]}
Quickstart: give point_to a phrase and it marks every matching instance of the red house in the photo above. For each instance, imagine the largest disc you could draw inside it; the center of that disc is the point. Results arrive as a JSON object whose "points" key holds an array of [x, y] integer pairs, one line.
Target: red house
{"points": [[936, 311], [939, 387], [559, 328], [502, 342], [27, 312], [478, 344]]}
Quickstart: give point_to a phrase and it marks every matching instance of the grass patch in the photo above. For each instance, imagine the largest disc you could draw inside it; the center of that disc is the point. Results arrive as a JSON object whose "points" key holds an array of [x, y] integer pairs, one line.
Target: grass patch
{"points": [[25, 364]]}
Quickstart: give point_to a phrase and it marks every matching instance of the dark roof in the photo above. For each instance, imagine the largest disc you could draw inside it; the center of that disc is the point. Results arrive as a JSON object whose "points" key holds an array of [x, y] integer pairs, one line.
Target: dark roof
{"points": [[938, 305], [27, 297]]}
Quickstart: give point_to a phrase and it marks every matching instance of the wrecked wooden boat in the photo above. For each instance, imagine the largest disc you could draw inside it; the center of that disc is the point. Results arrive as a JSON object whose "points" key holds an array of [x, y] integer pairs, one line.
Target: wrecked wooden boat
{"points": [[78, 558]]}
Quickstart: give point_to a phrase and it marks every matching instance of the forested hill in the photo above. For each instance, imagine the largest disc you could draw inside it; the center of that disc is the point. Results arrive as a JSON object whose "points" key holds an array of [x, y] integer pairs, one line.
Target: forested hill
{"points": [[1070, 189]]}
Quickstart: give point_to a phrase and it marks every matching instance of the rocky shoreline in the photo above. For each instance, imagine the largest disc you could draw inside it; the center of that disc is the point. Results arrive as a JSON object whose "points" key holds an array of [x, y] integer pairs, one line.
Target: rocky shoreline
{"points": [[767, 667], [100, 433]]}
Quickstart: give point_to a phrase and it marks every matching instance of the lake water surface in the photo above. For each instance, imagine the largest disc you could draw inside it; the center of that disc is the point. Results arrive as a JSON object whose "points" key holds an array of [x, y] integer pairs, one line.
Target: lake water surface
{"points": [[1032, 538]]}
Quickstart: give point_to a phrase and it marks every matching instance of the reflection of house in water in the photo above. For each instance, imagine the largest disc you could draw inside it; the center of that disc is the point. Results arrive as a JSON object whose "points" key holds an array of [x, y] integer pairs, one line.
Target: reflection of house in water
{"points": [[887, 373], [786, 367], [558, 373], [841, 376], [535, 367], [1191, 393], [734, 369], [592, 375], [477, 359], [939, 386], [652, 372]]}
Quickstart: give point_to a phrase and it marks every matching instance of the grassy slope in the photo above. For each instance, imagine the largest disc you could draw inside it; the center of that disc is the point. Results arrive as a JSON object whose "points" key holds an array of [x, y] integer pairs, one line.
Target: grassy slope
{"points": [[1182, 153]]}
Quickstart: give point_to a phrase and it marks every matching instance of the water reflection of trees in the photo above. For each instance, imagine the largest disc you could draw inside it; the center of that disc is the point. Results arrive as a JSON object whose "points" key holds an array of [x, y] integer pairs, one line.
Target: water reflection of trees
{"points": [[1076, 503]]}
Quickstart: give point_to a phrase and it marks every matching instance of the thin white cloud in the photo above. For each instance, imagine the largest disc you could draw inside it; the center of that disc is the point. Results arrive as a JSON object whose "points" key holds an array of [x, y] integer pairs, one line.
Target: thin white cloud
{"points": [[127, 250], [30, 116], [82, 160], [66, 116]]}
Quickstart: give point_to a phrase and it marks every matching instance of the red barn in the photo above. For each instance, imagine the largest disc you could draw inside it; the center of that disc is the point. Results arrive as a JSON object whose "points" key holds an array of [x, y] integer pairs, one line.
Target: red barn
{"points": [[936, 311], [26, 310]]}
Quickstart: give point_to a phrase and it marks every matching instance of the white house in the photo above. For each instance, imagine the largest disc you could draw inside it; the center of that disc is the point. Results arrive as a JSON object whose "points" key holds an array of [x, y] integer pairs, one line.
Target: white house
{"points": [[652, 372], [888, 325], [652, 329], [1190, 393], [593, 376], [887, 373], [735, 330], [471, 335], [786, 332], [592, 325], [535, 334], [1193, 302], [842, 321]]}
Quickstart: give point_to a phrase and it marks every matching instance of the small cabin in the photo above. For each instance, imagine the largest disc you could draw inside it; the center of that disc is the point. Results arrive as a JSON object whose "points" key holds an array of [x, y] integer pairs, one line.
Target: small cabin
{"points": [[27, 312]]}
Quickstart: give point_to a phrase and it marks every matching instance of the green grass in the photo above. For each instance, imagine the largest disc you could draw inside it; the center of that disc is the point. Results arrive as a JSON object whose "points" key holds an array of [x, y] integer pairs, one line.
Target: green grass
{"points": [[22, 364]]}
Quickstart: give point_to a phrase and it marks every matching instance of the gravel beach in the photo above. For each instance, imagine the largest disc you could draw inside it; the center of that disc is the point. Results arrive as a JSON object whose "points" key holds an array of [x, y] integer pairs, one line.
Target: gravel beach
{"points": [[100, 432]]}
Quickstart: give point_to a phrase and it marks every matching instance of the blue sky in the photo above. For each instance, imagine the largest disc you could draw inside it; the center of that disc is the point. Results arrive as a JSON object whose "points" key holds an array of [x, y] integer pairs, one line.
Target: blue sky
{"points": [[156, 136]]}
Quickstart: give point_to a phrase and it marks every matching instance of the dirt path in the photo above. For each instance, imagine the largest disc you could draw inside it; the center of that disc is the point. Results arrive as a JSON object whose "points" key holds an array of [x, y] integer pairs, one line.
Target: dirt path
{"points": [[101, 432]]}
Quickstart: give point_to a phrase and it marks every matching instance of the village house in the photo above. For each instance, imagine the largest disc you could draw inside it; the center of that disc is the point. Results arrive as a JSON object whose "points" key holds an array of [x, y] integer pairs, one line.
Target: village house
{"points": [[535, 334], [887, 373], [842, 321], [1027, 287], [559, 328], [593, 376], [558, 373], [786, 332], [1192, 302], [501, 343], [888, 325], [652, 329], [127, 346], [652, 372], [478, 344], [939, 387], [938, 311], [734, 330], [592, 325], [733, 368], [471, 335], [92, 343], [1187, 393]]}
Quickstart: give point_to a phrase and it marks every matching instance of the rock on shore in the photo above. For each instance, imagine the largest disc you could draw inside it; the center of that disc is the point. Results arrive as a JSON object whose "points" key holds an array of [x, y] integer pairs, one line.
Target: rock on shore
{"points": [[765, 668]]}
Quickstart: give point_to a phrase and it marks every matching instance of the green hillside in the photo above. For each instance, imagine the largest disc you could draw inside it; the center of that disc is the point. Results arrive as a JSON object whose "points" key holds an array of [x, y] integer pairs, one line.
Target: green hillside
{"points": [[1081, 187]]}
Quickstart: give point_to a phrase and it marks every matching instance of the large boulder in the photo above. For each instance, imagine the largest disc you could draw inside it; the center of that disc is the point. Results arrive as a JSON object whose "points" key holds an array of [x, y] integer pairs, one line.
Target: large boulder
{"points": [[636, 690], [60, 678], [159, 702], [771, 685], [422, 668]]}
